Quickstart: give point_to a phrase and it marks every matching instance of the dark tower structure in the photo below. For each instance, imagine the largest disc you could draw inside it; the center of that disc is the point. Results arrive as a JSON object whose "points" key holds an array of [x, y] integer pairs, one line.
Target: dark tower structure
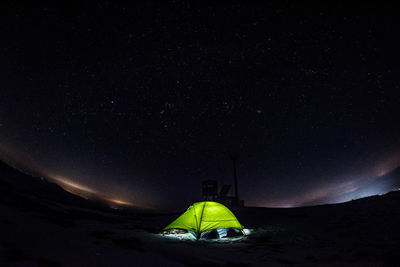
{"points": [[210, 190]]}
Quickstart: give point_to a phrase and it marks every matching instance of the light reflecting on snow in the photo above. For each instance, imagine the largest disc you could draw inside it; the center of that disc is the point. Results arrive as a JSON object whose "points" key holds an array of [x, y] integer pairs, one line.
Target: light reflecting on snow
{"points": [[184, 236], [247, 231], [190, 236]]}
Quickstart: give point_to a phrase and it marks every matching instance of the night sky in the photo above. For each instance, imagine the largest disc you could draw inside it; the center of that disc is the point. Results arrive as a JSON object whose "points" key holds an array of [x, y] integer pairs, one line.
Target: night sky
{"points": [[141, 103]]}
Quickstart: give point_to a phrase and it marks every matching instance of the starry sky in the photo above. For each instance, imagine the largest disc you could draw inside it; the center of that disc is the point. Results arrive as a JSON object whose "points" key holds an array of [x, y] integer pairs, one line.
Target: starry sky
{"points": [[142, 102]]}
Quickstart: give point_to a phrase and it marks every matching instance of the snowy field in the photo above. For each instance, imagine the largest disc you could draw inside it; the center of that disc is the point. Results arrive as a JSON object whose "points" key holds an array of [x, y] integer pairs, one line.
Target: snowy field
{"points": [[37, 232]]}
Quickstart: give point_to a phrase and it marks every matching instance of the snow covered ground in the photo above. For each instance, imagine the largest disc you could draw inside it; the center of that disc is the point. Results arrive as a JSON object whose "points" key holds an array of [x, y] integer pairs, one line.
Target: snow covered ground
{"points": [[363, 233], [43, 225]]}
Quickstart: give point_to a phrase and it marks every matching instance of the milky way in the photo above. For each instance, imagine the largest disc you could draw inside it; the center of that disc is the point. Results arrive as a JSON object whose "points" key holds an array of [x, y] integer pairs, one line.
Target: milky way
{"points": [[139, 103]]}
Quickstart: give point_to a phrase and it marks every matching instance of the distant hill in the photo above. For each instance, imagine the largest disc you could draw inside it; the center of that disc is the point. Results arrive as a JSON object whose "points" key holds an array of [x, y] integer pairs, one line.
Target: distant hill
{"points": [[20, 188], [16, 183], [379, 185]]}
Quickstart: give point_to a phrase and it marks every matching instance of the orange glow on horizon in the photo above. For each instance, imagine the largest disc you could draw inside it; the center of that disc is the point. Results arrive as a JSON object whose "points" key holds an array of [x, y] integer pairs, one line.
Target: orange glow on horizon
{"points": [[27, 164], [70, 185], [120, 202], [86, 192]]}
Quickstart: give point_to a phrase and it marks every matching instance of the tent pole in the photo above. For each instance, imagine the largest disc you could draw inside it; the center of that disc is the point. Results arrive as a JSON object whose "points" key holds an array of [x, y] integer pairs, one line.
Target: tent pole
{"points": [[201, 218], [194, 212]]}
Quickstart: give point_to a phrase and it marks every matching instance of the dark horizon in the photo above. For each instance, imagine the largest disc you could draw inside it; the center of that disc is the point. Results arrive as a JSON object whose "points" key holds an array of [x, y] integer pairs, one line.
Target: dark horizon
{"points": [[142, 102]]}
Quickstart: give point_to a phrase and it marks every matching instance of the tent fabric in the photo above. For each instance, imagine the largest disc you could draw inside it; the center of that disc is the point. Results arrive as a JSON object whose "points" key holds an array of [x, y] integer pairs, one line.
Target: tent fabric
{"points": [[204, 216]]}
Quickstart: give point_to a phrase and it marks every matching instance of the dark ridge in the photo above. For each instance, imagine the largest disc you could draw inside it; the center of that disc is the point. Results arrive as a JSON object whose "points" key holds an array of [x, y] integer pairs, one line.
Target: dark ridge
{"points": [[24, 190], [26, 184]]}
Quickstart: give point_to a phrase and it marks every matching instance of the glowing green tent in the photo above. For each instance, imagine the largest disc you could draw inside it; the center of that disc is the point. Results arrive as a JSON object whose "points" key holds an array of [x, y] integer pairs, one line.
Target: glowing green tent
{"points": [[204, 216]]}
